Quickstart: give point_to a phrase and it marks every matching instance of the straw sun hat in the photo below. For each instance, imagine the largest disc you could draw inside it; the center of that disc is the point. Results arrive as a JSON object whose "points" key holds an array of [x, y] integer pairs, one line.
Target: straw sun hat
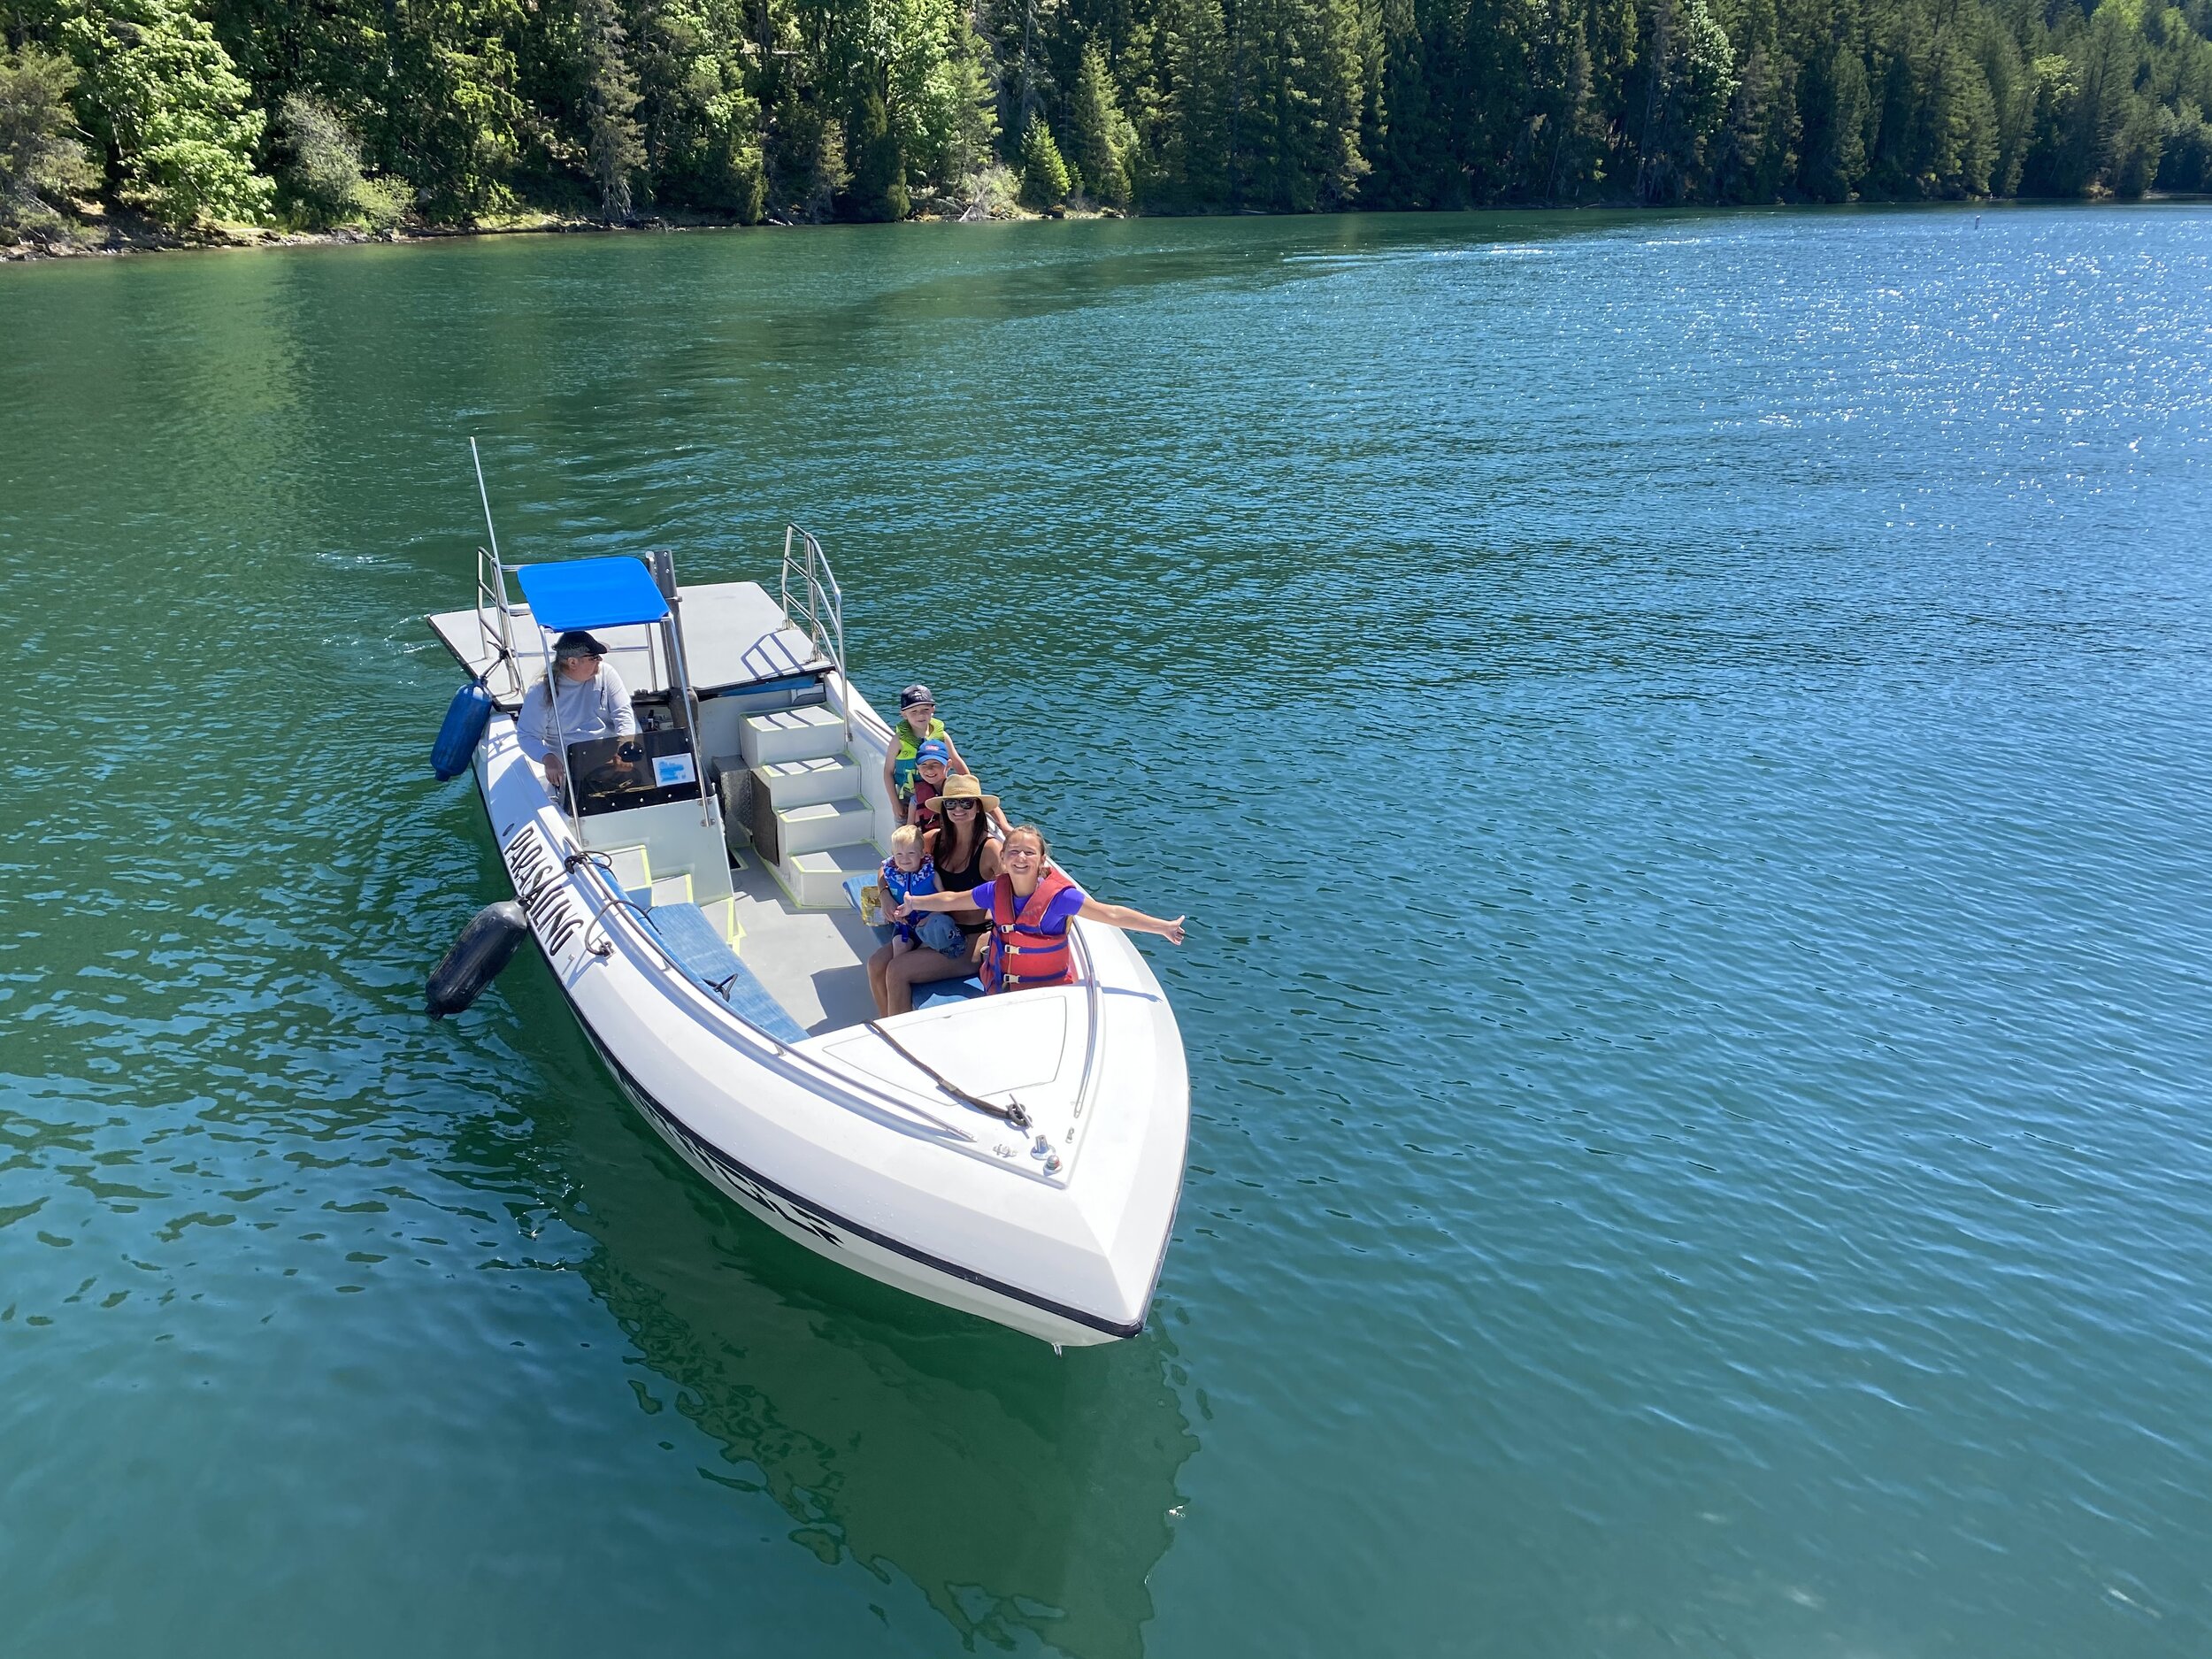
{"points": [[960, 786]]}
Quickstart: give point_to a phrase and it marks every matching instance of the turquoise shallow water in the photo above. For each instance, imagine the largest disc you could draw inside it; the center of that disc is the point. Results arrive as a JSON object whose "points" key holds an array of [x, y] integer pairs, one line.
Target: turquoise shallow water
{"points": [[1682, 740]]}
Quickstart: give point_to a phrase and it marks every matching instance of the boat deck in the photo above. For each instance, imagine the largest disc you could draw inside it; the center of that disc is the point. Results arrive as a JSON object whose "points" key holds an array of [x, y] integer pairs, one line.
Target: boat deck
{"points": [[814, 962]]}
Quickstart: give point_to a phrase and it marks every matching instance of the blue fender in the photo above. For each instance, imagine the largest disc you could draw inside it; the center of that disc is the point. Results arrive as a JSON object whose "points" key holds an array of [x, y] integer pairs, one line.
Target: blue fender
{"points": [[465, 722]]}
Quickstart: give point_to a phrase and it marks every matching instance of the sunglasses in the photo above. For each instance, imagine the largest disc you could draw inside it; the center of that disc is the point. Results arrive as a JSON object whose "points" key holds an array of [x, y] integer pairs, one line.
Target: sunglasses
{"points": [[959, 806]]}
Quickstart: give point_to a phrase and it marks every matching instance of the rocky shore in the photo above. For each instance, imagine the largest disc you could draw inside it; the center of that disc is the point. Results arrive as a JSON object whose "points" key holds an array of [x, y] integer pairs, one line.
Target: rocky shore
{"points": [[101, 238], [104, 235]]}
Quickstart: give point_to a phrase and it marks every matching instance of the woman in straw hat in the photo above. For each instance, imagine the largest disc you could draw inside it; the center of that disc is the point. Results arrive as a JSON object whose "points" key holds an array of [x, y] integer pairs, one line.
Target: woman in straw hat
{"points": [[966, 856], [933, 818]]}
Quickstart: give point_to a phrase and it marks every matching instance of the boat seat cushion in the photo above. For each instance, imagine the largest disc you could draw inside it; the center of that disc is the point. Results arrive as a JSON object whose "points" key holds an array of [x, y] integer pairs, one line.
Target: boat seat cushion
{"points": [[947, 990], [693, 942]]}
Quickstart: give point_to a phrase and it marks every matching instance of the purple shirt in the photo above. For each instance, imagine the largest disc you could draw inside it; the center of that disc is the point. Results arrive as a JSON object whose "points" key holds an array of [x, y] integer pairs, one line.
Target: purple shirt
{"points": [[1064, 904]]}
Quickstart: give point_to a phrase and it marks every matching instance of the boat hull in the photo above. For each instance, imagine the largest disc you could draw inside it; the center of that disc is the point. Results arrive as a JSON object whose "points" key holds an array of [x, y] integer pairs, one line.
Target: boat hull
{"points": [[835, 1239]]}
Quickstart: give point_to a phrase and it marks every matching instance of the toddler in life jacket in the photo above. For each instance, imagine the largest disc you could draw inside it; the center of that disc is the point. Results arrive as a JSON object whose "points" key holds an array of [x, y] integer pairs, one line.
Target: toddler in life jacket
{"points": [[906, 872], [933, 760]]}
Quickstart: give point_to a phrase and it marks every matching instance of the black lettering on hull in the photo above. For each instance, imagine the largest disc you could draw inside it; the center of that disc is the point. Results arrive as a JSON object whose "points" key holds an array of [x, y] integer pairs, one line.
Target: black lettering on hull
{"points": [[546, 897]]}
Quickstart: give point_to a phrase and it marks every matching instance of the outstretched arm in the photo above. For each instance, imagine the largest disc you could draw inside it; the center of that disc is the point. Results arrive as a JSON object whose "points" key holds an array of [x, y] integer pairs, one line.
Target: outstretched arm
{"points": [[958, 765], [941, 901], [1131, 921]]}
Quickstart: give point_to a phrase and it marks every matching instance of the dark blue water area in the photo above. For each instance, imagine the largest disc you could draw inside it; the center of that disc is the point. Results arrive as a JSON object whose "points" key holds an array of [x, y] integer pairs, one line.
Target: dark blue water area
{"points": [[1680, 738]]}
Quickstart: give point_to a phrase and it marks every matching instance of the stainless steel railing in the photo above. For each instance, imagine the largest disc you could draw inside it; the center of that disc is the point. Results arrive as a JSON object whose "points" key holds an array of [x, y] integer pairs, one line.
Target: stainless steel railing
{"points": [[819, 604], [491, 600]]}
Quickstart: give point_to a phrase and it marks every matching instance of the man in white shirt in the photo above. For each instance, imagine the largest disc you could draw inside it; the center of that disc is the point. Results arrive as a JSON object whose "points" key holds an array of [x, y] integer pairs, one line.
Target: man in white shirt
{"points": [[593, 703]]}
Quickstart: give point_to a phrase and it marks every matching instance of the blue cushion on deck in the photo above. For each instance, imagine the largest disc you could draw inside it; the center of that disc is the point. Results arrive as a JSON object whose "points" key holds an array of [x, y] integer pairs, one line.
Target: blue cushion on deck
{"points": [[693, 942], [947, 990]]}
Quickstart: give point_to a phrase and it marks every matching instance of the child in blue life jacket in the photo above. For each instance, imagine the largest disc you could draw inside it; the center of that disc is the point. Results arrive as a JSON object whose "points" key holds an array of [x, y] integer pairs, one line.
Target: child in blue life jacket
{"points": [[905, 874], [932, 759]]}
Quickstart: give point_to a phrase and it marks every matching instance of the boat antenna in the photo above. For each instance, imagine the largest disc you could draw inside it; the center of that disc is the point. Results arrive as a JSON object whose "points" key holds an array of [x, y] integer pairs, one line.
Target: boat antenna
{"points": [[552, 702], [483, 496]]}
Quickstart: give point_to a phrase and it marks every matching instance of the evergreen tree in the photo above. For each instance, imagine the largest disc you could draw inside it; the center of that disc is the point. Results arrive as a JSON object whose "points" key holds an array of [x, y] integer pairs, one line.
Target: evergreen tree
{"points": [[1045, 181], [1834, 105], [1196, 144], [1689, 75], [1332, 38], [878, 190], [2055, 164], [1755, 154], [1743, 145], [2184, 158], [1406, 131], [941, 97], [1102, 136], [1963, 126], [2012, 96], [613, 142]]}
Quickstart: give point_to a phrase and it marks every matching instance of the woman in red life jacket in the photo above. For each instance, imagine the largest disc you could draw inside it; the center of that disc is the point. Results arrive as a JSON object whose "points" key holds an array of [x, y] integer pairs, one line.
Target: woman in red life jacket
{"points": [[1030, 905]]}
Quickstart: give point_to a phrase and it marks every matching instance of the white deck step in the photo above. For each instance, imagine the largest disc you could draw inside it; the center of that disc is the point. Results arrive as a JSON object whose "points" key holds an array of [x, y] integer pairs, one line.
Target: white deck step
{"points": [[672, 890], [817, 879], [808, 733], [807, 782], [807, 829], [632, 872]]}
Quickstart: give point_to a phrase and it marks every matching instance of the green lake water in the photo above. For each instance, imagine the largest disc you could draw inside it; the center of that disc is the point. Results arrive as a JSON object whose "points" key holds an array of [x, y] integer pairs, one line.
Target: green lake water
{"points": [[1682, 739]]}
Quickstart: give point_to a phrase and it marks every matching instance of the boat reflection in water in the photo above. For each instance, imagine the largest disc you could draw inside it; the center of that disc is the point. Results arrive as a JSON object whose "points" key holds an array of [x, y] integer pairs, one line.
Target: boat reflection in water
{"points": [[1018, 1491]]}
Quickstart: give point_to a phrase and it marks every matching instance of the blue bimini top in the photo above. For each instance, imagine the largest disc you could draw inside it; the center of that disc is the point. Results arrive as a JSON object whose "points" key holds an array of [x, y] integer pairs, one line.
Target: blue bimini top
{"points": [[601, 592]]}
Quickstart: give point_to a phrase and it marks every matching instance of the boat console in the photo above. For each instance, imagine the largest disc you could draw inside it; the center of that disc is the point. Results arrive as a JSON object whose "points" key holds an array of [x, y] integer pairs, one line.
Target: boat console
{"points": [[645, 768]]}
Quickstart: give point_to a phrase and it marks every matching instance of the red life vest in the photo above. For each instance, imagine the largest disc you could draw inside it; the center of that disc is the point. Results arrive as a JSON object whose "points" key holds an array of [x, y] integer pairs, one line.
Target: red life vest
{"points": [[1022, 953]]}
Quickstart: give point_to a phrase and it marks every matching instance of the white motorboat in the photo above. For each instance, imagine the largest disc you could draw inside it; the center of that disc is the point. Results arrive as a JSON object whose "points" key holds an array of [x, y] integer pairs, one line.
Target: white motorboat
{"points": [[695, 891]]}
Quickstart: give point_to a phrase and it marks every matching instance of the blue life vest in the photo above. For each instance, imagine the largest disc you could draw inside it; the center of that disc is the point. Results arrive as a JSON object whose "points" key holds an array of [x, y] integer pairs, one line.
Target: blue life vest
{"points": [[901, 885]]}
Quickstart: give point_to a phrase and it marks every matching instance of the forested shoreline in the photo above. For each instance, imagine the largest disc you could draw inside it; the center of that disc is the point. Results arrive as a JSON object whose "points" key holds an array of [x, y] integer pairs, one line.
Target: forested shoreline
{"points": [[386, 114]]}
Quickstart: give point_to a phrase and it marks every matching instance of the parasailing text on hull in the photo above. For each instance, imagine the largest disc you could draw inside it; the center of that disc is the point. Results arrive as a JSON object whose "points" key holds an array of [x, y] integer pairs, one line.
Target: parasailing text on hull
{"points": [[542, 890]]}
